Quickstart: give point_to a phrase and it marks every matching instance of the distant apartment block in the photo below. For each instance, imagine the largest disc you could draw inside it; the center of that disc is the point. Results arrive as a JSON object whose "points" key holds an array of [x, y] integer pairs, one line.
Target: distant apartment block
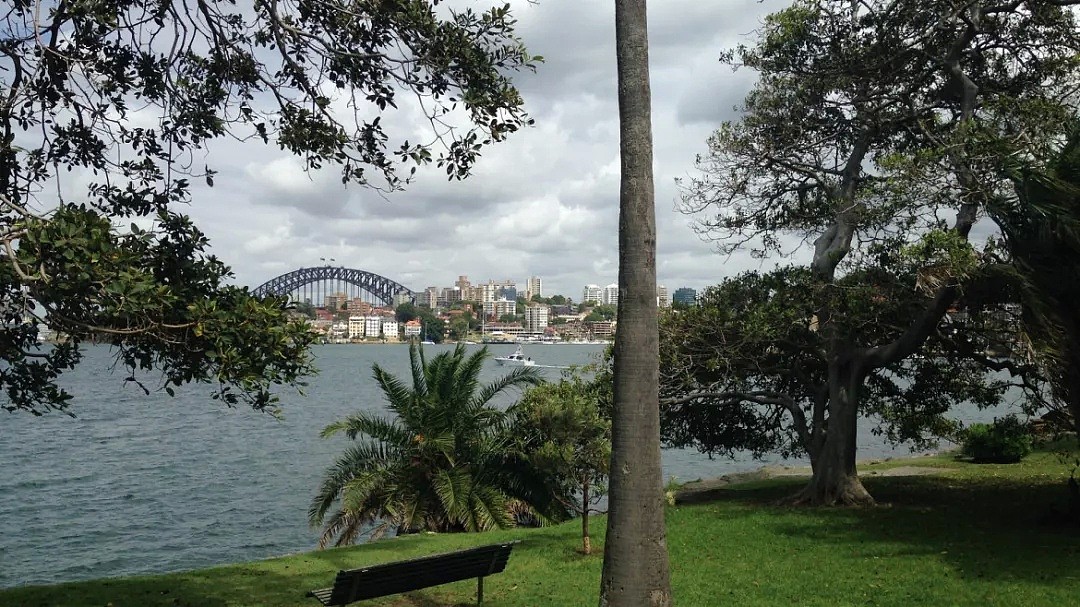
{"points": [[685, 295], [498, 308], [372, 326], [536, 318], [602, 329], [337, 301], [390, 329], [592, 294], [534, 286], [662, 299], [431, 297], [356, 327], [412, 328], [611, 295]]}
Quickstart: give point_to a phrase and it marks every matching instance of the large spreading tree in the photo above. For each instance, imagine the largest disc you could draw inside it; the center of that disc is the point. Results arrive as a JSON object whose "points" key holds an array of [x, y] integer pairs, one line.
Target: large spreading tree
{"points": [[123, 96], [876, 137]]}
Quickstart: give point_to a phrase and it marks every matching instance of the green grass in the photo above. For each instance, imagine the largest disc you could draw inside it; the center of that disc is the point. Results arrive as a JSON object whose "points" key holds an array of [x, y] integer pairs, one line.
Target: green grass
{"points": [[969, 536]]}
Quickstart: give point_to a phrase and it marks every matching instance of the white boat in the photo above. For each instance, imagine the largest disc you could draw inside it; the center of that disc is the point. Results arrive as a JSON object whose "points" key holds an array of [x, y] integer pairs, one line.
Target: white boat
{"points": [[427, 342], [518, 359]]}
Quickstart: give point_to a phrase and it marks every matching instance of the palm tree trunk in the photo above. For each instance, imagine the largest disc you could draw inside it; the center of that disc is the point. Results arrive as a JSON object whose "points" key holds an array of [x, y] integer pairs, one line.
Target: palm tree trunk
{"points": [[635, 552]]}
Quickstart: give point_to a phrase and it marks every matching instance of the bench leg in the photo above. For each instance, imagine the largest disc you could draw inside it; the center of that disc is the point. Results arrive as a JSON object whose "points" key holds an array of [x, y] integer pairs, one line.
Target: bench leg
{"points": [[479, 591]]}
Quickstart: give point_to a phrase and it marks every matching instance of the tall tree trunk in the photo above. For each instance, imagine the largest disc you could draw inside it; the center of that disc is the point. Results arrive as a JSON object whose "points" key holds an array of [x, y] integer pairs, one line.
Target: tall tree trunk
{"points": [[586, 543], [635, 551], [835, 479]]}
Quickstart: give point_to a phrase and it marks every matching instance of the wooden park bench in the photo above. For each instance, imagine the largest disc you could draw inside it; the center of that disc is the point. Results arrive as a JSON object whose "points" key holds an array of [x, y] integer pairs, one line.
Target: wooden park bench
{"points": [[414, 574]]}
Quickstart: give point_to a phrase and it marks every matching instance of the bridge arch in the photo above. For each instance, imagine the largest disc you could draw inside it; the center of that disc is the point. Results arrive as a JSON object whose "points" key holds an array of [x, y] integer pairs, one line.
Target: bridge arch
{"points": [[379, 286]]}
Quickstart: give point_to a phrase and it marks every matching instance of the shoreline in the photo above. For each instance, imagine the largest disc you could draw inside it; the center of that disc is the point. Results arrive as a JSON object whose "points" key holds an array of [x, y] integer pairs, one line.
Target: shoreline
{"points": [[708, 489]]}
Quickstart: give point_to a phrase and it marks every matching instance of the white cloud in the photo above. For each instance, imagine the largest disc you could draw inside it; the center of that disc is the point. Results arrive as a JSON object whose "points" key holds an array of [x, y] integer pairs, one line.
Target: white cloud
{"points": [[544, 203]]}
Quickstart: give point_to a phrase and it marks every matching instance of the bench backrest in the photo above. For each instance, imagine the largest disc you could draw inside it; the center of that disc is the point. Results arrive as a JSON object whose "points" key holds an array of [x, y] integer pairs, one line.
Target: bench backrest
{"points": [[403, 576]]}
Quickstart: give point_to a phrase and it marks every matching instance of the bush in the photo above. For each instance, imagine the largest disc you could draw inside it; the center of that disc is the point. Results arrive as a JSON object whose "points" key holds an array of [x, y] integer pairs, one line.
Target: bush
{"points": [[1006, 441]]}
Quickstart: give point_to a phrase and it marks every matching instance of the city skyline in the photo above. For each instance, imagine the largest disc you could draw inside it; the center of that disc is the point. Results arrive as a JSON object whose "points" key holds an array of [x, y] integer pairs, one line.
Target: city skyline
{"points": [[544, 202]]}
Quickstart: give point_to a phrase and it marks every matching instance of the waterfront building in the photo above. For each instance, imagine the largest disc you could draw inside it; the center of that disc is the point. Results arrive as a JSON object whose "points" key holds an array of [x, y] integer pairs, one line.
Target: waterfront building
{"points": [[390, 329], [412, 328], [536, 318], [611, 295], [534, 286], [356, 327], [372, 326], [662, 299], [593, 294], [602, 329], [685, 295]]}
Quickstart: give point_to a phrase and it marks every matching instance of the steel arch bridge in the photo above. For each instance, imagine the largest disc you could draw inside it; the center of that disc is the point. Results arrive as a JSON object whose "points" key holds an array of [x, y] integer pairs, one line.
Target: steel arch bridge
{"points": [[324, 279]]}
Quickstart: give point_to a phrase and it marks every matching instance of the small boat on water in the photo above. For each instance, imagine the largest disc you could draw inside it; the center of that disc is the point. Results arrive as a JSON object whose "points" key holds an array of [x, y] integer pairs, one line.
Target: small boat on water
{"points": [[427, 342], [518, 358]]}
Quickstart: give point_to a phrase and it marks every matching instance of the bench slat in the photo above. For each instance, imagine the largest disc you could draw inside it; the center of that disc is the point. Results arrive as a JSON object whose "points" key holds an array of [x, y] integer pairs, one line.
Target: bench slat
{"points": [[403, 576]]}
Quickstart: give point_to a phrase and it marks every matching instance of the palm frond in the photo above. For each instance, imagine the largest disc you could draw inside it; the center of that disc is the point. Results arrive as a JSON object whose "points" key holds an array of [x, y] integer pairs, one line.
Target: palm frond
{"points": [[354, 461], [518, 377], [399, 397], [370, 425]]}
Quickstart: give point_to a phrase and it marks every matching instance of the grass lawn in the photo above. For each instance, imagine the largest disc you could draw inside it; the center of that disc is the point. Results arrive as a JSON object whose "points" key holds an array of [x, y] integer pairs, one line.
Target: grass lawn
{"points": [[970, 535]]}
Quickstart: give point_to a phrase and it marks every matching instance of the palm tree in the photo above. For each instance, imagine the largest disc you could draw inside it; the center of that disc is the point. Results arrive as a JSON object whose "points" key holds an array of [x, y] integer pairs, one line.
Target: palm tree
{"points": [[1041, 226], [441, 464]]}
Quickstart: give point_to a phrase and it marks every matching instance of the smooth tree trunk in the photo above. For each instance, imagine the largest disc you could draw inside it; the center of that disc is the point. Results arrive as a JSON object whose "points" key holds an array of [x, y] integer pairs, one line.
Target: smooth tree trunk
{"points": [[586, 543], [635, 570]]}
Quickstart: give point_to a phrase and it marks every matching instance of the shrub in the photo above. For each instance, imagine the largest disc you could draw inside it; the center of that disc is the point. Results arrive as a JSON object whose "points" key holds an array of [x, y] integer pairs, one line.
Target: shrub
{"points": [[1006, 441]]}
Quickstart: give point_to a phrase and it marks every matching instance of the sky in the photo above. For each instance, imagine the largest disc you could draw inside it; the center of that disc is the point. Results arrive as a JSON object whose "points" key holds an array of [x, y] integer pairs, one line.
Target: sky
{"points": [[543, 203]]}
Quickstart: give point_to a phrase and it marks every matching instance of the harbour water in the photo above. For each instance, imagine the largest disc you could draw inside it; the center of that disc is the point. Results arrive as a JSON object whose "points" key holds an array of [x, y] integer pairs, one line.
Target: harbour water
{"points": [[148, 484]]}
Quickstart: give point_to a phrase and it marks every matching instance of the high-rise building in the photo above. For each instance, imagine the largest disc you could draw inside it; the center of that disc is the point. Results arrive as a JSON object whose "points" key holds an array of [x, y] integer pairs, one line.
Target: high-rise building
{"points": [[662, 299], [593, 294], [494, 310], [536, 318], [431, 297], [337, 301], [533, 287], [685, 295], [611, 295]]}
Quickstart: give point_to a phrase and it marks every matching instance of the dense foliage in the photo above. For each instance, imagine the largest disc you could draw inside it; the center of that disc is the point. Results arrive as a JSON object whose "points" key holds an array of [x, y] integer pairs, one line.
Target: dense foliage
{"points": [[563, 430], [1005, 441], [443, 462], [1041, 228], [877, 135], [124, 96]]}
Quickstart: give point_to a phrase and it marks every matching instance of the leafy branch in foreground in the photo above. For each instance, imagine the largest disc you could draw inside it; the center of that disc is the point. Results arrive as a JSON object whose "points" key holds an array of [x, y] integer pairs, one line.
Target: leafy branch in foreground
{"points": [[105, 107]]}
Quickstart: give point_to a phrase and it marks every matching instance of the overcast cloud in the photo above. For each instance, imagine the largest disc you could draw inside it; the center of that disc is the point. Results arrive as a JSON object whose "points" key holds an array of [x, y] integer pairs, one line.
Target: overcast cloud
{"points": [[543, 203]]}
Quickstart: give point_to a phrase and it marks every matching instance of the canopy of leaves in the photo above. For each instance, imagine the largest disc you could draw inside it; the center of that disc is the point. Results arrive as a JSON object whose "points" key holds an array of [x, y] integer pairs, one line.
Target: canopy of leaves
{"points": [[747, 369], [125, 95], [563, 431]]}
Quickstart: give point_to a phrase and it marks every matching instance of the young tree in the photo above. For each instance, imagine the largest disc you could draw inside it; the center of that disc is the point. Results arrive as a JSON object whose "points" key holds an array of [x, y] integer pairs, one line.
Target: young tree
{"points": [[562, 431], [128, 93], [635, 552], [873, 125]]}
